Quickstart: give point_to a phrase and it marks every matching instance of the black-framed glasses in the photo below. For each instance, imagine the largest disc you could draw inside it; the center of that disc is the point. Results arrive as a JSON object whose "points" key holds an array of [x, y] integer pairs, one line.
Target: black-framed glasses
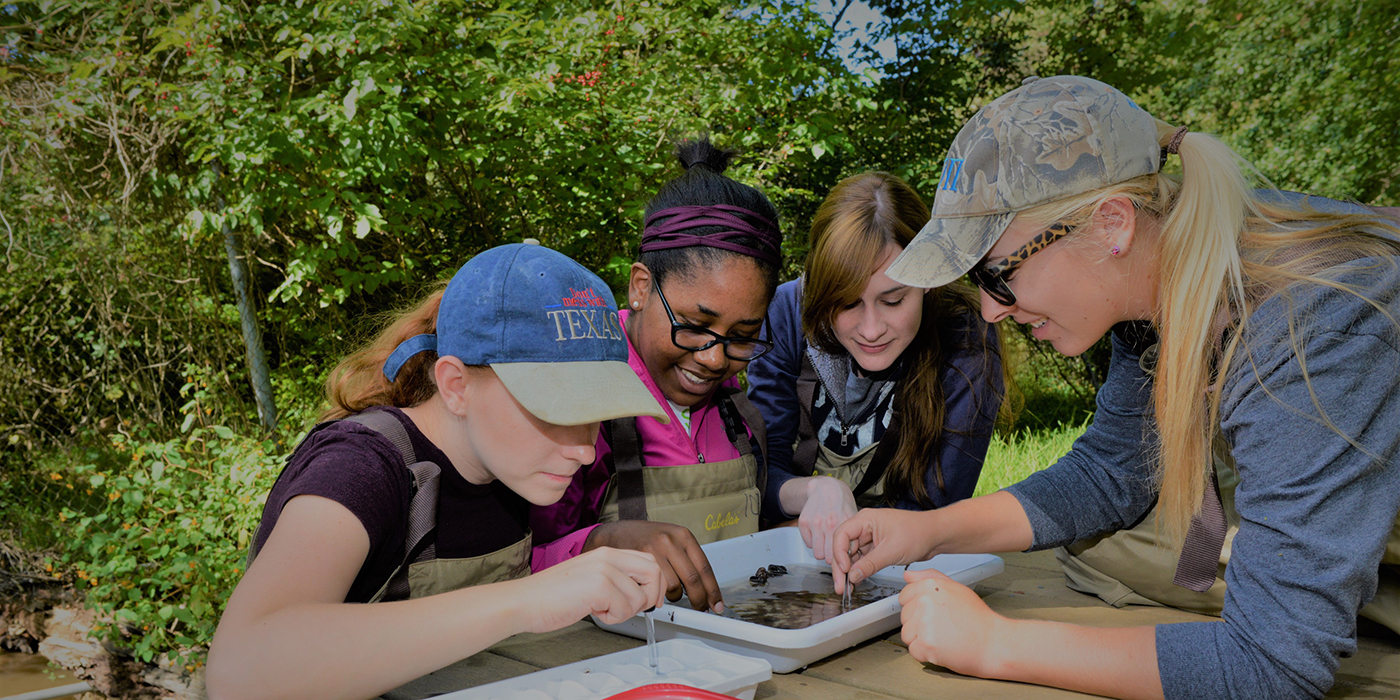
{"points": [[696, 338], [992, 278]]}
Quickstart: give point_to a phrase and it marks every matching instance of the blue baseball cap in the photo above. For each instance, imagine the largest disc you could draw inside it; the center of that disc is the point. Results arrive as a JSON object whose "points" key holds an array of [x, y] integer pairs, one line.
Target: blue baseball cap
{"points": [[549, 329]]}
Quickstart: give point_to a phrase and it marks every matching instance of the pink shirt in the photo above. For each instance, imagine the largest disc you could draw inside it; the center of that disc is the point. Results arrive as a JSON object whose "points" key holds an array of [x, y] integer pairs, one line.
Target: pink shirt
{"points": [[560, 529]]}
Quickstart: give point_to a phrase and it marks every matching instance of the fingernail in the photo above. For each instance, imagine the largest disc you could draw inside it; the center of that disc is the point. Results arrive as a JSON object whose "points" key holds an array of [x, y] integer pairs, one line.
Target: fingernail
{"points": [[719, 607]]}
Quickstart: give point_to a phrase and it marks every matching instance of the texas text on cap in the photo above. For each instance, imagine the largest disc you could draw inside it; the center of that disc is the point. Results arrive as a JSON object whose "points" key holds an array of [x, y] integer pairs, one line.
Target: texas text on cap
{"points": [[549, 329], [1048, 139]]}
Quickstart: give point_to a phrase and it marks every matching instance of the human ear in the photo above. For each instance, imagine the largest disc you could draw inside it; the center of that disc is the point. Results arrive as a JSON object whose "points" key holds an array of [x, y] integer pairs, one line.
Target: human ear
{"points": [[638, 286], [1116, 223], [453, 383]]}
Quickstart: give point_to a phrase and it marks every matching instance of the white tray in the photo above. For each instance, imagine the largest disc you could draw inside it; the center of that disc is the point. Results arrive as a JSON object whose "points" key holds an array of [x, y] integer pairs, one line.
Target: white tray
{"points": [[789, 650], [681, 661]]}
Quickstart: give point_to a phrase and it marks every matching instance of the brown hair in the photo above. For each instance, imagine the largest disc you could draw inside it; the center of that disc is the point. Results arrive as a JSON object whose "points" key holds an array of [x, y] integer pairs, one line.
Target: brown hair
{"points": [[861, 215], [358, 381]]}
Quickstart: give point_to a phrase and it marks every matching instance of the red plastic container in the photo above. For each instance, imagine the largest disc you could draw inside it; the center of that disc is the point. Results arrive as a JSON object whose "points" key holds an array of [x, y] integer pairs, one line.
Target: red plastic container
{"points": [[668, 691]]}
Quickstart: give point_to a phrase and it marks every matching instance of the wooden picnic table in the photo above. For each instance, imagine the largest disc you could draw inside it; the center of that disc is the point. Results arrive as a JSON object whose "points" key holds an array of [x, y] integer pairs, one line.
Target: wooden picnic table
{"points": [[1032, 586]]}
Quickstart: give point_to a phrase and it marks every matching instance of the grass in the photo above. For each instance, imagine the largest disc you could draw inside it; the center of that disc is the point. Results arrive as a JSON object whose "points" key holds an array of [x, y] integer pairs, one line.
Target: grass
{"points": [[1015, 456], [1051, 409]]}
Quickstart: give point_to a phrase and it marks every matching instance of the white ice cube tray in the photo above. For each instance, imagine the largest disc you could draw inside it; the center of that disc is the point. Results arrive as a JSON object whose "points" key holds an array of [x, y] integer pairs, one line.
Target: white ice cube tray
{"points": [[789, 650], [678, 661]]}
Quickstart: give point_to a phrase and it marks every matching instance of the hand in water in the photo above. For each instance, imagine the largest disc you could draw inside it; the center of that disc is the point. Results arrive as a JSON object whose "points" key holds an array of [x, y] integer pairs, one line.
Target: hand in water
{"points": [[829, 503], [682, 562], [874, 539]]}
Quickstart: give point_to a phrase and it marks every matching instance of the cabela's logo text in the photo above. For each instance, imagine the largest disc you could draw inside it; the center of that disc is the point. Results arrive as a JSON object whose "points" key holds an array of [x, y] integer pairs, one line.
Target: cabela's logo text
{"points": [[716, 521]]}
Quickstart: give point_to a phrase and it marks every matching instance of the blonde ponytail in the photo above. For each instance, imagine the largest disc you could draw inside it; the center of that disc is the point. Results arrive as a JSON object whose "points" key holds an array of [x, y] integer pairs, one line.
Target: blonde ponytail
{"points": [[1222, 252], [1201, 278]]}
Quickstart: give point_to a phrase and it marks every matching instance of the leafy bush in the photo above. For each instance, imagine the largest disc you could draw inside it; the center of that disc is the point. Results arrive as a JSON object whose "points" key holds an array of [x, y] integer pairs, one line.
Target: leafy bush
{"points": [[160, 540], [363, 149]]}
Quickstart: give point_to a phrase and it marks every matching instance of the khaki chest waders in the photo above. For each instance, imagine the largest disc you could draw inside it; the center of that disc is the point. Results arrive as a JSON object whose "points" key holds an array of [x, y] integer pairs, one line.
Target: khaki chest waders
{"points": [[422, 573], [1136, 566], [715, 500], [864, 470]]}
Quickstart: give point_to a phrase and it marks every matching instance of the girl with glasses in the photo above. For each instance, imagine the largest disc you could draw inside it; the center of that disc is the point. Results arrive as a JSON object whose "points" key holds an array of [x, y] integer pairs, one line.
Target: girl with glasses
{"points": [[696, 300], [1255, 336], [889, 392]]}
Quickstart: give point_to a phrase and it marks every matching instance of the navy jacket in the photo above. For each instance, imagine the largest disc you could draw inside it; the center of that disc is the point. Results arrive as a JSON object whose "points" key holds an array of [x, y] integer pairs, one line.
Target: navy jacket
{"points": [[972, 387]]}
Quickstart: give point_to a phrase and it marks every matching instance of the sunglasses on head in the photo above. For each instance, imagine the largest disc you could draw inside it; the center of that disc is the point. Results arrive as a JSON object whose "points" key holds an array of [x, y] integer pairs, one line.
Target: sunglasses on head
{"points": [[992, 279]]}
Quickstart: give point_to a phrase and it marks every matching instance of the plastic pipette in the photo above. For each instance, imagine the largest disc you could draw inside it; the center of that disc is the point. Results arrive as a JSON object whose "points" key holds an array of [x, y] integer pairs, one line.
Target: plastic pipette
{"points": [[651, 642]]}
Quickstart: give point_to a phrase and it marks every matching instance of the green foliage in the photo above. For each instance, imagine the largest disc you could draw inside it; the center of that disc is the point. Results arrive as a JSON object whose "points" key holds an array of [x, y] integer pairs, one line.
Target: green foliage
{"points": [[1304, 90], [96, 334], [159, 540], [362, 150], [1015, 456]]}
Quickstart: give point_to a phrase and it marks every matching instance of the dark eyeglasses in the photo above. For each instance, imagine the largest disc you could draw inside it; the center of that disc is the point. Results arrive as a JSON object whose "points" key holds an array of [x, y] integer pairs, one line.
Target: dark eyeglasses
{"points": [[992, 278], [696, 338]]}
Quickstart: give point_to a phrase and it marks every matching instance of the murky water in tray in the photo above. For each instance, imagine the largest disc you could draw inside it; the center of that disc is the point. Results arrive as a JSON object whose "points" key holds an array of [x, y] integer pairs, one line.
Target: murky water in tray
{"points": [[798, 599]]}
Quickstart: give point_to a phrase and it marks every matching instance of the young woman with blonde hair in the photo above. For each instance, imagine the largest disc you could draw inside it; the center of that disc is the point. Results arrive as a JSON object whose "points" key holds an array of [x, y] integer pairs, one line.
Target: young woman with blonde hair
{"points": [[889, 392], [1260, 321]]}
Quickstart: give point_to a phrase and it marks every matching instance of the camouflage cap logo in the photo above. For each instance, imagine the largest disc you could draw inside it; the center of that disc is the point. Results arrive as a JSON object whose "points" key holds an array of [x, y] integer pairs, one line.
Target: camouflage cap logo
{"points": [[1048, 139]]}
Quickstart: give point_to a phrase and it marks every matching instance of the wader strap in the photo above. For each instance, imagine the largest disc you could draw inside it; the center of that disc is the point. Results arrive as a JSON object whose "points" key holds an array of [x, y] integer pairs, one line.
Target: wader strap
{"points": [[1200, 552], [735, 400], [420, 544], [880, 461], [384, 423], [422, 509], [804, 456], [1205, 538], [627, 463]]}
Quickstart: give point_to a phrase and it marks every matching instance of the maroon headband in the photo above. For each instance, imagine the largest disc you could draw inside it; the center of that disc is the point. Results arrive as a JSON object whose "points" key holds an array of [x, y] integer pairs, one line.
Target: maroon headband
{"points": [[672, 233]]}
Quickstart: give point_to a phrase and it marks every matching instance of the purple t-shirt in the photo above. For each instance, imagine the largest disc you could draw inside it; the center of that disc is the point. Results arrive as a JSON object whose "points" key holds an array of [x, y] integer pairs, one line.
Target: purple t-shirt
{"points": [[361, 470]]}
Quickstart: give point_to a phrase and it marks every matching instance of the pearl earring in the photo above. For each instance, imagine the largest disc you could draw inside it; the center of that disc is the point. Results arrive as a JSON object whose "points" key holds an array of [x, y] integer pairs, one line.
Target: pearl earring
{"points": [[636, 305]]}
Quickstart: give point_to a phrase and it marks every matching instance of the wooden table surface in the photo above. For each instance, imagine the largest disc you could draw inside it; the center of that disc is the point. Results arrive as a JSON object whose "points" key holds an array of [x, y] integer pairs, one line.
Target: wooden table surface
{"points": [[880, 669]]}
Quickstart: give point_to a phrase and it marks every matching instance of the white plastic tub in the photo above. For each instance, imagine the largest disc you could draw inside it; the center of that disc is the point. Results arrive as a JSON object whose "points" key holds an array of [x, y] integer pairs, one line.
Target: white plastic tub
{"points": [[789, 650], [680, 661]]}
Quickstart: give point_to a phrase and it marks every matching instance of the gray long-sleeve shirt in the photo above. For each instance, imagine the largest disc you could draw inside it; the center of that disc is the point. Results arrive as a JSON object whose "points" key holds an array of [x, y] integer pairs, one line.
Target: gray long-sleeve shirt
{"points": [[1315, 510]]}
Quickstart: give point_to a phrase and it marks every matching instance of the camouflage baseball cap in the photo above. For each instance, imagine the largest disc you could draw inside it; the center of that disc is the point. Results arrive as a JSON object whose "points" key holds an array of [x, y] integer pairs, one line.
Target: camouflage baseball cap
{"points": [[1048, 139]]}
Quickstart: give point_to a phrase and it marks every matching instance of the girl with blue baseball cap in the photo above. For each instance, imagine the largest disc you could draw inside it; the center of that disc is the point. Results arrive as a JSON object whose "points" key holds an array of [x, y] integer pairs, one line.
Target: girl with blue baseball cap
{"points": [[414, 495], [710, 257], [1255, 345]]}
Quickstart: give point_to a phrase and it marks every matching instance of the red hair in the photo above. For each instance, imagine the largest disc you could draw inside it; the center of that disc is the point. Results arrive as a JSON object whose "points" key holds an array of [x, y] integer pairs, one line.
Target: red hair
{"points": [[358, 381]]}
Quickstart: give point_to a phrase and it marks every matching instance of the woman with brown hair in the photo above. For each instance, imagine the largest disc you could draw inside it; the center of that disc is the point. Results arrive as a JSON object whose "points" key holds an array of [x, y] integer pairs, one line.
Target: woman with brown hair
{"points": [[889, 392]]}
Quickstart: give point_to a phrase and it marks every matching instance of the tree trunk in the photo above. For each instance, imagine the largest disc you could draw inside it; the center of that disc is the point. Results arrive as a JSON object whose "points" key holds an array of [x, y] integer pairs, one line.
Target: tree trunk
{"points": [[252, 335]]}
